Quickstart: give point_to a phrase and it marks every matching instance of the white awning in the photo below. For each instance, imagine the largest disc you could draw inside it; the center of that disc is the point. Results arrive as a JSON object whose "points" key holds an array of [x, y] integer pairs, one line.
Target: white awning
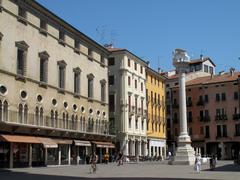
{"points": [[82, 143]]}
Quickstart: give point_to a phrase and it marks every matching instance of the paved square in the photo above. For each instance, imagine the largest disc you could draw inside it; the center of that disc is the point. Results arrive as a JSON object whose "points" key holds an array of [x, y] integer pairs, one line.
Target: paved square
{"points": [[149, 170]]}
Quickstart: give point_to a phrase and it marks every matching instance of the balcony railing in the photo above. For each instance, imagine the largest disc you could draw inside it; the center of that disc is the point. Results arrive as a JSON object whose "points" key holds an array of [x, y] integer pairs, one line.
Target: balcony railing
{"points": [[236, 117], [80, 125], [221, 117]]}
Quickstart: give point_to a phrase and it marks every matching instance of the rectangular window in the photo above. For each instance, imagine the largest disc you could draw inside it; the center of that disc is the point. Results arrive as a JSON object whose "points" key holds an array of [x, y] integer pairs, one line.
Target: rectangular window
{"points": [[142, 125], [189, 116], [76, 83], [135, 84], [129, 122], [190, 131], [129, 63], [217, 97], [236, 95], [61, 37], [135, 66], [237, 129], [61, 83], [219, 131], [211, 70], [103, 92], [224, 130], [129, 103], [223, 96], [207, 134], [111, 103], [22, 12], [206, 68], [20, 62], [90, 54], [206, 98], [141, 69], [111, 80], [90, 88], [43, 70], [141, 86], [129, 80], [76, 45], [111, 61], [136, 124], [43, 27]]}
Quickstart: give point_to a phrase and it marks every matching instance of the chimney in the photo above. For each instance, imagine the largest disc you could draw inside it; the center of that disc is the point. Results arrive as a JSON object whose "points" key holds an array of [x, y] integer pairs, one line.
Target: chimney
{"points": [[201, 57], [232, 71]]}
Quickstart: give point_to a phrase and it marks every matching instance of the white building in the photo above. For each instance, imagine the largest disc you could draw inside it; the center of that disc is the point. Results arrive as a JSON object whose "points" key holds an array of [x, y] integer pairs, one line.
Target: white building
{"points": [[127, 101]]}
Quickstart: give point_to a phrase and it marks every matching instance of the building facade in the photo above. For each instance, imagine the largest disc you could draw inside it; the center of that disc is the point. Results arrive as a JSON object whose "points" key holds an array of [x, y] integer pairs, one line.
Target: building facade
{"points": [[156, 127], [127, 102], [212, 114], [53, 107]]}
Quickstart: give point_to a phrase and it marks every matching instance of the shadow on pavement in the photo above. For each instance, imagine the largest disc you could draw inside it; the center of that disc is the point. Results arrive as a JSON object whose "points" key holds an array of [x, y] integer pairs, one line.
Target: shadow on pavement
{"points": [[228, 167], [9, 175]]}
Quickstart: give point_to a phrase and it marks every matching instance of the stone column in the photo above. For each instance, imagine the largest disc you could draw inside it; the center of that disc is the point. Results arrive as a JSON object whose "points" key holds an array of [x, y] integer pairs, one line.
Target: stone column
{"points": [[11, 156], [154, 152], [185, 153], [145, 148], [222, 150], [30, 155], [133, 148], [69, 154], [59, 155], [45, 156], [126, 148], [140, 148]]}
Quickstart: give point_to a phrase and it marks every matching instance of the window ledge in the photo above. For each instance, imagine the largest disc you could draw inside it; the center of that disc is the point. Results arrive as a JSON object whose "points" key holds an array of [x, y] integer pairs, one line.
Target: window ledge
{"points": [[76, 95], [90, 99], [102, 64], [62, 42], [76, 50], [90, 58], [43, 31], [60, 90], [22, 20], [20, 77], [43, 84], [103, 103]]}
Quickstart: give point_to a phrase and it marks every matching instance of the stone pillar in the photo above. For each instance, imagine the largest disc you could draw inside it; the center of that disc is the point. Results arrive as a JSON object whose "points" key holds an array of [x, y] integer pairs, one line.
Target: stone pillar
{"points": [[158, 152], [45, 156], [133, 148], [222, 150], [59, 155], [140, 148], [100, 156], [154, 152], [161, 151], [77, 153], [126, 148], [11, 156], [145, 148], [185, 154], [69, 154], [30, 155]]}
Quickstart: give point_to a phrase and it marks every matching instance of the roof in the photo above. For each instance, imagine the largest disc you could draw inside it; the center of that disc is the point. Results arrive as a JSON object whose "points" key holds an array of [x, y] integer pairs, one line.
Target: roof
{"points": [[214, 79], [65, 24], [112, 50], [196, 61], [152, 71]]}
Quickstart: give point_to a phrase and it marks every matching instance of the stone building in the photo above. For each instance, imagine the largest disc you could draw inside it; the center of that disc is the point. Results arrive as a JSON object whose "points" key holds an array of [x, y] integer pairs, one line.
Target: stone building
{"points": [[156, 121], [212, 114], [127, 102], [53, 89]]}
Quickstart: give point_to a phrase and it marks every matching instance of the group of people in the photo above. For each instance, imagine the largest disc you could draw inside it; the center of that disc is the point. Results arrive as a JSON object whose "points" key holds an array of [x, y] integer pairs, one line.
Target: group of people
{"points": [[198, 162]]}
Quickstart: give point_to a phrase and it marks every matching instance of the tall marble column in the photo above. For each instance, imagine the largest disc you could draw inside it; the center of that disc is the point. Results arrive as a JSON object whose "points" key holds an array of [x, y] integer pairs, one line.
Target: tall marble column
{"points": [[185, 153]]}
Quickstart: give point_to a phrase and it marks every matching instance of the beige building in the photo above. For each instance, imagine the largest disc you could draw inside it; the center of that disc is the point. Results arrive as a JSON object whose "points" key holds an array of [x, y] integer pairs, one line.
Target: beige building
{"points": [[53, 89]]}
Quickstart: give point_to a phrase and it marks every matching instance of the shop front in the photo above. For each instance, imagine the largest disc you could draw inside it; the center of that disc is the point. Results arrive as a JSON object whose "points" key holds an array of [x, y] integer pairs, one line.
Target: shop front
{"points": [[81, 152], [64, 151], [102, 148]]}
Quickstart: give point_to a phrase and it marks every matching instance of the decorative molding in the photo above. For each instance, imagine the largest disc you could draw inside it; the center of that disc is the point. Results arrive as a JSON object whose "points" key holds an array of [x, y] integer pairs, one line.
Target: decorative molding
{"points": [[1, 36], [62, 63], [77, 70], [90, 76], [103, 81], [22, 45], [44, 55]]}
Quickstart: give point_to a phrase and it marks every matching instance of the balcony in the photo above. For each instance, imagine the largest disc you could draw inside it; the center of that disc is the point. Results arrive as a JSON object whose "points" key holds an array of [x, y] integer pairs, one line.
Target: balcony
{"points": [[222, 117], [131, 110], [67, 124], [204, 118], [175, 105], [189, 103], [200, 103], [236, 117]]}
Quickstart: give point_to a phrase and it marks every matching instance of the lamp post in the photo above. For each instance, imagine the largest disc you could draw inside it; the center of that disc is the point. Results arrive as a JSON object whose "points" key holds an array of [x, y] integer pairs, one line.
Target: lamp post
{"points": [[185, 153]]}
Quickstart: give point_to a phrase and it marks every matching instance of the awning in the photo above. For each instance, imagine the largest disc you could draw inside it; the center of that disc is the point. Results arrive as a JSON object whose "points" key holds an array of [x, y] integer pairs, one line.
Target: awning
{"points": [[62, 141], [48, 142], [82, 143], [19, 139], [104, 144]]}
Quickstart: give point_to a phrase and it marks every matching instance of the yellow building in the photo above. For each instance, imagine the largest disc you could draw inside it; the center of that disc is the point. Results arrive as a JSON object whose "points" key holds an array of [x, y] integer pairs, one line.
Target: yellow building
{"points": [[156, 127]]}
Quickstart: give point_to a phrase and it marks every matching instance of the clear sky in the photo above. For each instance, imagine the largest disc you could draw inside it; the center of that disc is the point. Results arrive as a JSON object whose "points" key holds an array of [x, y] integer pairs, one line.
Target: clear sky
{"points": [[152, 29]]}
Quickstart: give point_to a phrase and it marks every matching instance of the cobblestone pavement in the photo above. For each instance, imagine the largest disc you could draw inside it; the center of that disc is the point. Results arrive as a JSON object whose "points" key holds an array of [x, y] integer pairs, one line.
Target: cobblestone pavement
{"points": [[135, 171]]}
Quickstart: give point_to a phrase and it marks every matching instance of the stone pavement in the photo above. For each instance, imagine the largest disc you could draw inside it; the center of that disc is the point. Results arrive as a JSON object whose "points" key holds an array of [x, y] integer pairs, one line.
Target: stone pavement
{"points": [[135, 171]]}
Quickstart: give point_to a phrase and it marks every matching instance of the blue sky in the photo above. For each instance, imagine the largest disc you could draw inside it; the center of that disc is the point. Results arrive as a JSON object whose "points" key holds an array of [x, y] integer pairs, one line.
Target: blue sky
{"points": [[152, 29]]}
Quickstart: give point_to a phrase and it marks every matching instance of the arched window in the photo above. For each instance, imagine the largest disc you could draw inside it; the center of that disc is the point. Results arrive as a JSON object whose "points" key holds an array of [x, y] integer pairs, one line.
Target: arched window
{"points": [[76, 123], [56, 120], [5, 111], [41, 116], [64, 121], [80, 124], [1, 111], [84, 124], [20, 113], [52, 119], [72, 123], [25, 113], [67, 123], [37, 116]]}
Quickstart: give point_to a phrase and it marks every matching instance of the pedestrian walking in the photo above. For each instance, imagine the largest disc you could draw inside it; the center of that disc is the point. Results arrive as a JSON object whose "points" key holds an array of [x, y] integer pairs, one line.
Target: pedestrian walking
{"points": [[213, 163], [120, 159], [197, 165], [93, 161]]}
